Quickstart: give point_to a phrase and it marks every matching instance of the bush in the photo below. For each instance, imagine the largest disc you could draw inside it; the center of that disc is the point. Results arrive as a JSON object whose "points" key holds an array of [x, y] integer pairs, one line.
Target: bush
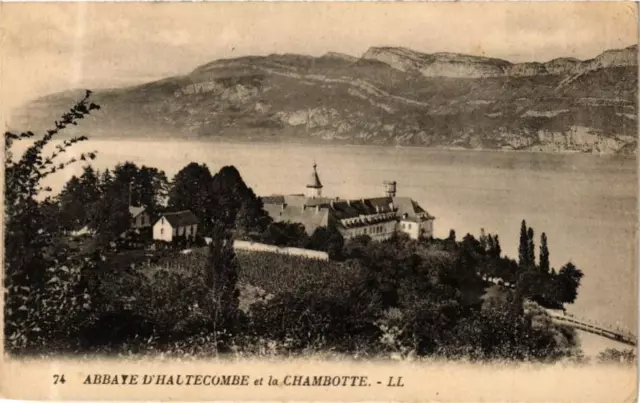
{"points": [[48, 318], [612, 355]]}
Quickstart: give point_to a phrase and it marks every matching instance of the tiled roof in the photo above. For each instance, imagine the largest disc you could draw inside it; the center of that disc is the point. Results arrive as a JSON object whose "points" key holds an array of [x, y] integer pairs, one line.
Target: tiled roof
{"points": [[314, 212], [181, 218], [310, 217], [135, 211], [411, 210], [355, 208], [275, 199], [295, 200]]}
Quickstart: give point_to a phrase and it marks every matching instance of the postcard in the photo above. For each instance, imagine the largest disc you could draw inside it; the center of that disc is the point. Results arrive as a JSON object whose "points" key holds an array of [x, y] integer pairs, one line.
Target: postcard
{"points": [[295, 201]]}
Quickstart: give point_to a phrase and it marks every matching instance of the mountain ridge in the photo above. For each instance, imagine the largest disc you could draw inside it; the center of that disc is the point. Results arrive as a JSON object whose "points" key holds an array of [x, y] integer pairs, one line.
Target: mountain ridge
{"points": [[389, 96]]}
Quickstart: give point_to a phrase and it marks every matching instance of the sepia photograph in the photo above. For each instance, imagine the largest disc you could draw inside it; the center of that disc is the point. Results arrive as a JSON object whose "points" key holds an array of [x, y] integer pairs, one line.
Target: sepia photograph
{"points": [[410, 186]]}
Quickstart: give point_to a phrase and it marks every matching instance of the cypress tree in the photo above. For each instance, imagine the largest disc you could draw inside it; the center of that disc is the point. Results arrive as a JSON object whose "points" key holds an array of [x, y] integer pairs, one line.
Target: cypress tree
{"points": [[221, 276], [544, 253], [497, 250], [531, 249], [523, 253]]}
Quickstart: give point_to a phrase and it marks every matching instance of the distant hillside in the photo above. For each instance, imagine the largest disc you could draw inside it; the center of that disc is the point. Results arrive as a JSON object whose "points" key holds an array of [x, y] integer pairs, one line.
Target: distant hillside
{"points": [[389, 96]]}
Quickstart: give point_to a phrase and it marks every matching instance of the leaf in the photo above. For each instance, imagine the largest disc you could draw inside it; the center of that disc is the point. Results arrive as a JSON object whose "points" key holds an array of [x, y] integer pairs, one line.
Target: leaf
{"points": [[54, 279]]}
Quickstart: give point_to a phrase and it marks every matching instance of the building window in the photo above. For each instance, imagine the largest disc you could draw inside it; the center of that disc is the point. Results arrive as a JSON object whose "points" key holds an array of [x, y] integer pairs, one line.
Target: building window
{"points": [[161, 231], [402, 225]]}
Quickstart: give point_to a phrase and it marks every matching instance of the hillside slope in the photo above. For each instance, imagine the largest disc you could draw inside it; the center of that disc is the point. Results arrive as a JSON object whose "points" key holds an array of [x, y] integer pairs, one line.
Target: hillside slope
{"points": [[390, 96]]}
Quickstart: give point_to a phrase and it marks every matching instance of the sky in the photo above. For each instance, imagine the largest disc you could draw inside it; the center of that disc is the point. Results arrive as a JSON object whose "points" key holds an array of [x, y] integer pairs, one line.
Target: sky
{"points": [[51, 47]]}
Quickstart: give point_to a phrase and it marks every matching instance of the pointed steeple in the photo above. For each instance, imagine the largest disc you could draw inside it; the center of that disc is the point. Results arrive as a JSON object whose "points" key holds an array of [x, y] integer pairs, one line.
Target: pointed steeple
{"points": [[314, 186]]}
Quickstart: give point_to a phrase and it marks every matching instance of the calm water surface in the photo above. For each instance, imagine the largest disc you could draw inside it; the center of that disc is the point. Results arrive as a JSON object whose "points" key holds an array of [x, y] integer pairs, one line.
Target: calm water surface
{"points": [[586, 204]]}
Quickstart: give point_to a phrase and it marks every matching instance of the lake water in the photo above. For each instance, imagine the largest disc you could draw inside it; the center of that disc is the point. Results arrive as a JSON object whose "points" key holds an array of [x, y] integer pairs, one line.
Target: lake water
{"points": [[586, 204]]}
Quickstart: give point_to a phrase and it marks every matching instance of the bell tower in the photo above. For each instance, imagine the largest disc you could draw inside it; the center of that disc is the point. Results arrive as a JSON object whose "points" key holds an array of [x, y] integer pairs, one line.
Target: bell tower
{"points": [[314, 186], [390, 188]]}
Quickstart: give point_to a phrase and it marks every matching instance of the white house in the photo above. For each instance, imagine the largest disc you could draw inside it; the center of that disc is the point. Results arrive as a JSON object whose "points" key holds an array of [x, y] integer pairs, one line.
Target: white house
{"points": [[139, 217], [175, 224]]}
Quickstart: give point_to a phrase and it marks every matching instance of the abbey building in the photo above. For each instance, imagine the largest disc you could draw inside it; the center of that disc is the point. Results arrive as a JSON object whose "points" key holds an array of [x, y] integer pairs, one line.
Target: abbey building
{"points": [[377, 217]]}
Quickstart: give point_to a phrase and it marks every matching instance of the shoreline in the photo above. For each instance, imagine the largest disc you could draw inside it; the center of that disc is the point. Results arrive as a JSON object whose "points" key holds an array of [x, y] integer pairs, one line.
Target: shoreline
{"points": [[260, 142]]}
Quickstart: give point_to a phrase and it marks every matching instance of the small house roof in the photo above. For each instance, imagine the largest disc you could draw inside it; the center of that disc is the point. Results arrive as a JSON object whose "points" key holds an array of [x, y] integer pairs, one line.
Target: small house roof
{"points": [[135, 211], [180, 218]]}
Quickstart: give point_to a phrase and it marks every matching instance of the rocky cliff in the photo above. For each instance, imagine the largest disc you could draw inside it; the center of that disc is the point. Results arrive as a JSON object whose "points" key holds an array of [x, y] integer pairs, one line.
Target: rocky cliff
{"points": [[389, 96]]}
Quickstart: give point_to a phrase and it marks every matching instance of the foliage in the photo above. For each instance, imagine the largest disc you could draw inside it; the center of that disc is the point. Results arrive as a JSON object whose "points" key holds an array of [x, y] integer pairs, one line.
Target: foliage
{"points": [[568, 282], [544, 253], [191, 190], [43, 291], [322, 316], [612, 355], [285, 234], [223, 197], [76, 198], [327, 240], [221, 276], [236, 204]]}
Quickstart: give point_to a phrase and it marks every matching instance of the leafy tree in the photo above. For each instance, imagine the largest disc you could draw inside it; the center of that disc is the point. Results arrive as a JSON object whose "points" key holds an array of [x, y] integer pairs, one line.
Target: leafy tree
{"points": [[286, 234], [568, 282], [152, 189], [327, 239], [77, 198], [72, 207], [237, 205], [544, 253], [191, 190], [357, 247], [90, 184], [110, 216], [105, 181], [44, 298]]}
